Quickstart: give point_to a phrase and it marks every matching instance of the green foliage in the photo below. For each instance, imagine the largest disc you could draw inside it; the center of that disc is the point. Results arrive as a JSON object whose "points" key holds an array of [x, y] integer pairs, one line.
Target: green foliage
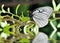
{"points": [[22, 8], [23, 18], [58, 26], [24, 40], [13, 29]]}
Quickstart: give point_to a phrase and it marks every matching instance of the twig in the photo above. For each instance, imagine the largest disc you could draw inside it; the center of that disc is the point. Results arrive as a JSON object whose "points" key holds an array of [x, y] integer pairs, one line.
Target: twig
{"points": [[56, 12], [54, 31]]}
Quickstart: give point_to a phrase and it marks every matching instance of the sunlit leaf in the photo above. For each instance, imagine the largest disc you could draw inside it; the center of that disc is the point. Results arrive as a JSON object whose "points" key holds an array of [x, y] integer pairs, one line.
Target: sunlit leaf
{"points": [[24, 19], [24, 40], [58, 7], [2, 7], [17, 8], [28, 28], [58, 33], [8, 10], [55, 23], [6, 29], [36, 29], [54, 4], [58, 26], [1, 29]]}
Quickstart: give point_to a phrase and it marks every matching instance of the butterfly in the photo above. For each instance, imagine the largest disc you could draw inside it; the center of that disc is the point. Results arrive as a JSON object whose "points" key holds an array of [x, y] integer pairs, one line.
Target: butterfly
{"points": [[41, 38], [41, 15]]}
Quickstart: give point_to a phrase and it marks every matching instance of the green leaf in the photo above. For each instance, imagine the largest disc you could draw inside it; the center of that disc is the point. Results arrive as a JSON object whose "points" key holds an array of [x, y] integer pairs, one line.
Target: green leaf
{"points": [[8, 10], [24, 19], [58, 7], [17, 8], [55, 23], [6, 30], [36, 29], [58, 26], [24, 40], [54, 4], [52, 40], [2, 7], [1, 29], [24, 9], [58, 33], [55, 36], [28, 28]]}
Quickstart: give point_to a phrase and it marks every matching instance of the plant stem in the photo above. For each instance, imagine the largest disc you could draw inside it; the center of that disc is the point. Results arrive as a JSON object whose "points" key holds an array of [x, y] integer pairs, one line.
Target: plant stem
{"points": [[54, 31], [54, 19], [56, 12]]}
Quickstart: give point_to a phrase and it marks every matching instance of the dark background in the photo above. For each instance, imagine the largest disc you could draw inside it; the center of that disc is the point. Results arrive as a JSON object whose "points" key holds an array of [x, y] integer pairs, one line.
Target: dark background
{"points": [[15, 2]]}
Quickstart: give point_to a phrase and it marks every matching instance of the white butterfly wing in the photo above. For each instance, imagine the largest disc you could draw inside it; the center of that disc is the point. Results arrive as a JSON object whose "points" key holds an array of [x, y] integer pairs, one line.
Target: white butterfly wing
{"points": [[46, 10], [41, 38], [41, 22], [41, 18]]}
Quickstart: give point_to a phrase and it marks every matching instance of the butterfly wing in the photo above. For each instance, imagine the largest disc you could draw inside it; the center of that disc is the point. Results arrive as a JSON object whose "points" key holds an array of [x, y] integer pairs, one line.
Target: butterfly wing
{"points": [[41, 15], [46, 10], [40, 38], [41, 20]]}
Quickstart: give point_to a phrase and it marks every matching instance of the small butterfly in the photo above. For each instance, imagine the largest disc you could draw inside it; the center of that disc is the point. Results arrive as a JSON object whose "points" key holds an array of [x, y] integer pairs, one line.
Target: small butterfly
{"points": [[41, 15]]}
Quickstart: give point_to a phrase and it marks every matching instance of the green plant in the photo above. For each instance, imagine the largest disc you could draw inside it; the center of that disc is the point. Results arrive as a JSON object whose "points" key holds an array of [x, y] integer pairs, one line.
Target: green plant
{"points": [[10, 25]]}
